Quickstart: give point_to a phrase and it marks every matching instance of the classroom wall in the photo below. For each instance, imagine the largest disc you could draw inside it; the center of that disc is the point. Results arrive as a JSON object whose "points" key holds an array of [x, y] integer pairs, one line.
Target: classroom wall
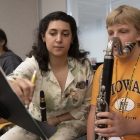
{"points": [[19, 19], [48, 6]]}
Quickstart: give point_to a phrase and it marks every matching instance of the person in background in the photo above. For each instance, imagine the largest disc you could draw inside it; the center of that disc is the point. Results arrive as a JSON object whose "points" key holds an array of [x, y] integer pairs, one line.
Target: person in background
{"points": [[65, 75], [123, 117], [8, 60]]}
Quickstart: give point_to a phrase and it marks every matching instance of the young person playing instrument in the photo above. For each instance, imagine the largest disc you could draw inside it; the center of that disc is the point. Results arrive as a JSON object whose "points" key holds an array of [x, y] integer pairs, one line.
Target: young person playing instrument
{"points": [[64, 74], [123, 118]]}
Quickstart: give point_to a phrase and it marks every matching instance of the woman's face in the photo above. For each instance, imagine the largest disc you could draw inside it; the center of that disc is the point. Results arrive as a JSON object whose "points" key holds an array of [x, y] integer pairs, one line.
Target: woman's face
{"points": [[58, 38], [126, 33]]}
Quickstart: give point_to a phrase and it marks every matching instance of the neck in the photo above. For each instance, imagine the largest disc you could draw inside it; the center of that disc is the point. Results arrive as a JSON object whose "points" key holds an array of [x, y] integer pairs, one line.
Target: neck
{"points": [[58, 63]]}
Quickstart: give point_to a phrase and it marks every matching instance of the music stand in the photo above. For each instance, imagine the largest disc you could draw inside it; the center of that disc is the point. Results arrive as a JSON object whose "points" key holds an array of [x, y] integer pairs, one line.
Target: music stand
{"points": [[13, 110]]}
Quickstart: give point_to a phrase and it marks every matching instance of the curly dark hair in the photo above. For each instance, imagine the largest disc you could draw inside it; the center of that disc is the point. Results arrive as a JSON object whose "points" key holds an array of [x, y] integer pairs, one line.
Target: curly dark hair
{"points": [[39, 50], [3, 37]]}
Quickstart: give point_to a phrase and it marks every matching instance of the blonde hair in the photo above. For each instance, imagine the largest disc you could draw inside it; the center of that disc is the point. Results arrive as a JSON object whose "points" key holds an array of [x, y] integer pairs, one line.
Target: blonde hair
{"points": [[124, 14]]}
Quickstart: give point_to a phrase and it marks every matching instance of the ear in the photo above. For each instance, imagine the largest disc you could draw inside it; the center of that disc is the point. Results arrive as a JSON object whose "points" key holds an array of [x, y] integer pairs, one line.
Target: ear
{"points": [[138, 36], [43, 37]]}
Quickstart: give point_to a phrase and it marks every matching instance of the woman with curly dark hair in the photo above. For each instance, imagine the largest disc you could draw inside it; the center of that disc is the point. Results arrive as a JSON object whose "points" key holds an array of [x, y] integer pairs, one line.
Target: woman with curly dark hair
{"points": [[63, 73], [39, 49]]}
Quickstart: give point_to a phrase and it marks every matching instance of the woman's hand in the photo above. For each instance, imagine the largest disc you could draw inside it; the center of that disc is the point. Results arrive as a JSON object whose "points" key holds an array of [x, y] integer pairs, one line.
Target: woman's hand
{"points": [[53, 121], [24, 89], [117, 124]]}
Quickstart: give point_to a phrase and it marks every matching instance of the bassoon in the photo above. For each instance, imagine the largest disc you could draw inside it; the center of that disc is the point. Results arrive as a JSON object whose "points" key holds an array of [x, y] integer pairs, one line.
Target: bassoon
{"points": [[103, 98]]}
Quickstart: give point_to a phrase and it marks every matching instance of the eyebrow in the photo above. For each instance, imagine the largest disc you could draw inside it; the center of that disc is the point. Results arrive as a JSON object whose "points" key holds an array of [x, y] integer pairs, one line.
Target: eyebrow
{"points": [[122, 28], [65, 30]]}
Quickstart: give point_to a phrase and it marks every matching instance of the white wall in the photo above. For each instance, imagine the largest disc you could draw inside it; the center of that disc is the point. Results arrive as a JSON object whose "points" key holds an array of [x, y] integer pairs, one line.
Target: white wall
{"points": [[93, 38], [91, 19], [48, 6]]}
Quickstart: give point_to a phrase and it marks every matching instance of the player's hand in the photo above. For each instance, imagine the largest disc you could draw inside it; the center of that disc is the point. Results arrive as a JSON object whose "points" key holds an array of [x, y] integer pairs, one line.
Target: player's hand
{"points": [[24, 89], [116, 122]]}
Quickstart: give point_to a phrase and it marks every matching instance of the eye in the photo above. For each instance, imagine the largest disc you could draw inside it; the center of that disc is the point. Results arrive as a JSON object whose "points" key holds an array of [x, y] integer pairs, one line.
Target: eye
{"points": [[123, 32], [65, 34], [110, 33], [52, 33]]}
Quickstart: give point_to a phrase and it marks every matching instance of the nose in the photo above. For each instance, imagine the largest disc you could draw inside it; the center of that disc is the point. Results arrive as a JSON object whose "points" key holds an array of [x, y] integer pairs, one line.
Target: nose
{"points": [[59, 38], [115, 35]]}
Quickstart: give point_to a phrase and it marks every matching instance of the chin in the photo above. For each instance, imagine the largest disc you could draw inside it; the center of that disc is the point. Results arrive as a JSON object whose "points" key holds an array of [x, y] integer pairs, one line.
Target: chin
{"points": [[115, 53]]}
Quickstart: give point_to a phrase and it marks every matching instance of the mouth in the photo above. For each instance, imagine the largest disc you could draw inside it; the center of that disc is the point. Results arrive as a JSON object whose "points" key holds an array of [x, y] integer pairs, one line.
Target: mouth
{"points": [[115, 47], [58, 47]]}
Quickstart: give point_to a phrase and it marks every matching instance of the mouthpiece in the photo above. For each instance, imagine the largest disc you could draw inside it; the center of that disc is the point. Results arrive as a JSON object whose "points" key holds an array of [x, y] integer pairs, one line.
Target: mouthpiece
{"points": [[42, 94]]}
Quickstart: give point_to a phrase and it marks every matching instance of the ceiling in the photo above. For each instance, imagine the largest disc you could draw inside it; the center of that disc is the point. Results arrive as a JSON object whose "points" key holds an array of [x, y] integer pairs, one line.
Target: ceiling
{"points": [[91, 10]]}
